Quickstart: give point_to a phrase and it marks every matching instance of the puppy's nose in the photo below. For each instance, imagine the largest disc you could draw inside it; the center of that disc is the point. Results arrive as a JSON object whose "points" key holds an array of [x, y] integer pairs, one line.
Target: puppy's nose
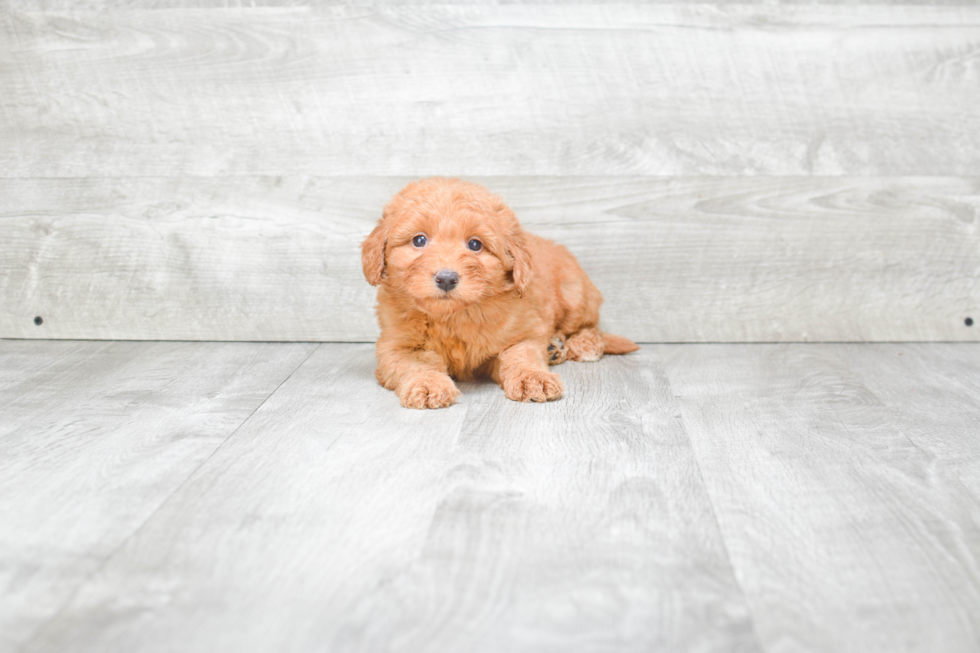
{"points": [[446, 279]]}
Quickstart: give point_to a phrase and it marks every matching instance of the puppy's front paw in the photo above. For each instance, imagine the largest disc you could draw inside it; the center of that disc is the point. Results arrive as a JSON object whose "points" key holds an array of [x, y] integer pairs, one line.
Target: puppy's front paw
{"points": [[534, 386], [434, 390]]}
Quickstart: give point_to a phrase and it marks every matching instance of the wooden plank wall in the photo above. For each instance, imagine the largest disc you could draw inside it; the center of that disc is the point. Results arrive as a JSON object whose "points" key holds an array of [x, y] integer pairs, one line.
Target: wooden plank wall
{"points": [[725, 172]]}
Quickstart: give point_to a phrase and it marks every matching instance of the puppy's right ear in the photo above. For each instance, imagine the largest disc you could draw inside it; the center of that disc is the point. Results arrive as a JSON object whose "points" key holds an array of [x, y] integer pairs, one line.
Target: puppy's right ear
{"points": [[517, 248], [373, 253]]}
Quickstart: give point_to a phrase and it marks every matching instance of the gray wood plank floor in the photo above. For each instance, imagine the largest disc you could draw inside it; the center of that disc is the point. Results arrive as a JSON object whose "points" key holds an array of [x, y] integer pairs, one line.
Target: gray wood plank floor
{"points": [[94, 438], [256, 497]]}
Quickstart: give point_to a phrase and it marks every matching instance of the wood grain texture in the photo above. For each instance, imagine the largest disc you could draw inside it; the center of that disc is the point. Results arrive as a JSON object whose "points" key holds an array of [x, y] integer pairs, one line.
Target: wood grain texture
{"points": [[92, 5], [944, 384], [94, 438], [336, 520], [585, 89], [678, 260], [687, 497], [846, 496]]}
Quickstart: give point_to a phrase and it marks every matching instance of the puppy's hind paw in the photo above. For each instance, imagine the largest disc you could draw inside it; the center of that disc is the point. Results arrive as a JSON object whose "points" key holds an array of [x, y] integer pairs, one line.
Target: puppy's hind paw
{"points": [[585, 346], [556, 350], [434, 390], [534, 386]]}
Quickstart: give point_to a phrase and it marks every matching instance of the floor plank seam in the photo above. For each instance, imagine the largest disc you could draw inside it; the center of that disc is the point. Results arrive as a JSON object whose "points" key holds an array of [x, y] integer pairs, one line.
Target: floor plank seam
{"points": [[714, 516], [110, 556]]}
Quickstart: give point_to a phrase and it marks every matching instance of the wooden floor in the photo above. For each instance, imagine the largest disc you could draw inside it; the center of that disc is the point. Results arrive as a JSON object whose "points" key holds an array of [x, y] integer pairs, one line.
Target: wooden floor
{"points": [[165, 496]]}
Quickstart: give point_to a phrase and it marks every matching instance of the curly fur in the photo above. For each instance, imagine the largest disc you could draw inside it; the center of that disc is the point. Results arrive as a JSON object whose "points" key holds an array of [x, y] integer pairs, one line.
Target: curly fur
{"points": [[521, 302]]}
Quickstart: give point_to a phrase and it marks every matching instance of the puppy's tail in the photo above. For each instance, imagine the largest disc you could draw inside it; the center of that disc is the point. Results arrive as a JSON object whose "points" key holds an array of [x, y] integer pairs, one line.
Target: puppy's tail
{"points": [[618, 344]]}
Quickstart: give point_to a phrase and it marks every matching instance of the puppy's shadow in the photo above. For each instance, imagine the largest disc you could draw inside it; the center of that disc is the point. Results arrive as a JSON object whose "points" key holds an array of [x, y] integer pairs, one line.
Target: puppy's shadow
{"points": [[481, 390], [485, 395]]}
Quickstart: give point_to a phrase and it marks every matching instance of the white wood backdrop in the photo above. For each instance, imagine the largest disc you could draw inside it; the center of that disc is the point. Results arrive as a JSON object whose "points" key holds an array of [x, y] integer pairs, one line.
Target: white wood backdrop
{"points": [[711, 259], [726, 172]]}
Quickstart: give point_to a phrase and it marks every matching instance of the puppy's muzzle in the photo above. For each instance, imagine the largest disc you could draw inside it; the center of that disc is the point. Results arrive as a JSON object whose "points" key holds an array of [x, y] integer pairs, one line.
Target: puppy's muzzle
{"points": [[446, 280]]}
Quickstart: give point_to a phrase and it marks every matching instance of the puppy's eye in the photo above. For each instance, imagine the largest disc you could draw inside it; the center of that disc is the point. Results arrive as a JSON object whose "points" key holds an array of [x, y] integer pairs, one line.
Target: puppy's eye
{"points": [[420, 240], [474, 245]]}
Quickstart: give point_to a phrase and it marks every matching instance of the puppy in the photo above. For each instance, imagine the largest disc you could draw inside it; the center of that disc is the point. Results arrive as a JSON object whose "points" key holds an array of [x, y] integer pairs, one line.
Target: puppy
{"points": [[465, 293]]}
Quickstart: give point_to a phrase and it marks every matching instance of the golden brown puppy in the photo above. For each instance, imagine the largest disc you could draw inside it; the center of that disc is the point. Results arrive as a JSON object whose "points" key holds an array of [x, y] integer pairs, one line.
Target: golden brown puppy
{"points": [[466, 293]]}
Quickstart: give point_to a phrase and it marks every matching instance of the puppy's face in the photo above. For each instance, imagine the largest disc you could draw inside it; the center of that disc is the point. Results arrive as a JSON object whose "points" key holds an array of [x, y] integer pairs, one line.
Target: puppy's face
{"points": [[447, 245]]}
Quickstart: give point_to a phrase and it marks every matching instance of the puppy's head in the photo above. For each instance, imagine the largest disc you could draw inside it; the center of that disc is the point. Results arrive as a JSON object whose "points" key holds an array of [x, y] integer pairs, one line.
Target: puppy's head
{"points": [[446, 244]]}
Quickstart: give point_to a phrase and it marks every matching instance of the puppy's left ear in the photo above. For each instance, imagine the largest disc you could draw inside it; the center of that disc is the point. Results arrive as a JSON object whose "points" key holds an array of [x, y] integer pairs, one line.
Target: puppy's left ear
{"points": [[373, 253], [517, 248]]}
